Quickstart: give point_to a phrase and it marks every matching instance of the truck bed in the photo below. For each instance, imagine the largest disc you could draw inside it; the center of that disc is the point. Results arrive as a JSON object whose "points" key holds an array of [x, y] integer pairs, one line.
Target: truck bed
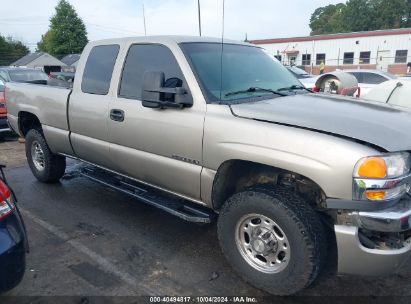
{"points": [[48, 103]]}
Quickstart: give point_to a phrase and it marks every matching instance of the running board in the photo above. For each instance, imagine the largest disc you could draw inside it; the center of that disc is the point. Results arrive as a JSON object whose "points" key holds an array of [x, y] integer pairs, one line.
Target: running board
{"points": [[168, 202]]}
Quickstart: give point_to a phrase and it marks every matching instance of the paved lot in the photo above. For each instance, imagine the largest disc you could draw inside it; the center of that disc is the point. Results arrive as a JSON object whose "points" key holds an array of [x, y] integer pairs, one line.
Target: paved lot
{"points": [[89, 240]]}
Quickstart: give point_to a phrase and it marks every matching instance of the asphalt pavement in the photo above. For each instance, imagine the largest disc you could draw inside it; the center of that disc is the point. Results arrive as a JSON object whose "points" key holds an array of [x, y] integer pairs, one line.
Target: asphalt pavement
{"points": [[87, 239]]}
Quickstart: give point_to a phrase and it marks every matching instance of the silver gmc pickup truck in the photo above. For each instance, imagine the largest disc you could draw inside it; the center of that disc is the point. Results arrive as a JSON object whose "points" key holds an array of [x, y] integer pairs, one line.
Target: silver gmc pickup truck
{"points": [[208, 130]]}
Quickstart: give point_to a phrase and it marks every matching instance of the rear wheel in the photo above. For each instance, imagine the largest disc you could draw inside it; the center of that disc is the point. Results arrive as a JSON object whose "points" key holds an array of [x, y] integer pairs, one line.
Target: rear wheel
{"points": [[272, 238], [46, 166]]}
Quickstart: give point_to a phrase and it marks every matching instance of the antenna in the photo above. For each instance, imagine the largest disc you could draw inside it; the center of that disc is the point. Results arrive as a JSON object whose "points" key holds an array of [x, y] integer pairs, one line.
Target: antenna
{"points": [[144, 19], [199, 17], [222, 50]]}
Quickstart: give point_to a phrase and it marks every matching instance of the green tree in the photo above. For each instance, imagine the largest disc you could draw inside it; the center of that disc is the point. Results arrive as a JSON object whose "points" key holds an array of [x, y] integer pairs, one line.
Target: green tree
{"points": [[361, 15], [408, 24], [45, 43], [67, 33], [392, 14], [11, 50], [327, 19]]}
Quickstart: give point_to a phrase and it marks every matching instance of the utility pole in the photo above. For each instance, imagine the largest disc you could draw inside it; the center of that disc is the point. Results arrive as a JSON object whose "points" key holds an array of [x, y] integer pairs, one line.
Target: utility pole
{"points": [[199, 17], [144, 20]]}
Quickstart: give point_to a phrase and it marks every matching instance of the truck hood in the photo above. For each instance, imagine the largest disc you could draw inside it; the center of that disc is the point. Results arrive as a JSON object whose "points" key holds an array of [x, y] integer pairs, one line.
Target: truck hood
{"points": [[385, 126]]}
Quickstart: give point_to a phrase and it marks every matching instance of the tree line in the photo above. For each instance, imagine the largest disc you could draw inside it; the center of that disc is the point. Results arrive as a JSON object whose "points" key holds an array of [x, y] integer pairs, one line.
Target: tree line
{"points": [[361, 15], [11, 50]]}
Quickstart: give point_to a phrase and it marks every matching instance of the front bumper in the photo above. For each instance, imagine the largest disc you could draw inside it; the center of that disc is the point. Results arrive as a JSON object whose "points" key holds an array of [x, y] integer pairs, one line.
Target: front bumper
{"points": [[354, 257], [393, 219]]}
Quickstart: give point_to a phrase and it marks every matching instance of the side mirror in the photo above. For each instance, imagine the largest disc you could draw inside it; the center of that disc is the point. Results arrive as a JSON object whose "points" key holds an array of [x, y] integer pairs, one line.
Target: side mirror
{"points": [[155, 93]]}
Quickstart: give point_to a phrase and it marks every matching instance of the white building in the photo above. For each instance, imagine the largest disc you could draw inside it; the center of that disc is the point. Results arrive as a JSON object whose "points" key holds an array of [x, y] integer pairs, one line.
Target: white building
{"points": [[388, 50]]}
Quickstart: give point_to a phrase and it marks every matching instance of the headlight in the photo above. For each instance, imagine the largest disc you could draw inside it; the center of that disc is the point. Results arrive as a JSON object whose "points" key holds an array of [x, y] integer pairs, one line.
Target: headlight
{"points": [[382, 178], [385, 166]]}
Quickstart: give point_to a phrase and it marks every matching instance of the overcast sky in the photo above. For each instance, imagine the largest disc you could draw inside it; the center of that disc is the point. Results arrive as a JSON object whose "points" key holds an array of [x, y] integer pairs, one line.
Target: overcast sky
{"points": [[27, 20]]}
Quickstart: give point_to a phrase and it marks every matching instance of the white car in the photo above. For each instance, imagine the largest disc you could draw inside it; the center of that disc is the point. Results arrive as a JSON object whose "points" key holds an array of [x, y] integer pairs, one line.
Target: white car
{"points": [[396, 92], [368, 79]]}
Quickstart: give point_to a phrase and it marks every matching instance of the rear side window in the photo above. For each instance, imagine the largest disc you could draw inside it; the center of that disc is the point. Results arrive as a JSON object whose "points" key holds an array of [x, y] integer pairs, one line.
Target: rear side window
{"points": [[99, 69], [148, 57], [373, 78]]}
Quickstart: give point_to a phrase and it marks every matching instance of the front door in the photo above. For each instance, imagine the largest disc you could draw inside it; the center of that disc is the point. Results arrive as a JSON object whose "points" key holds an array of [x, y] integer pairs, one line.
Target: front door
{"points": [[162, 147]]}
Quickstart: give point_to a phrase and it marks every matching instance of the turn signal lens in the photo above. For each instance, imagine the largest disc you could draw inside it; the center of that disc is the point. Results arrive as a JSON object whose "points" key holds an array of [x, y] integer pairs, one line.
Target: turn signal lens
{"points": [[387, 194], [376, 195], [373, 167]]}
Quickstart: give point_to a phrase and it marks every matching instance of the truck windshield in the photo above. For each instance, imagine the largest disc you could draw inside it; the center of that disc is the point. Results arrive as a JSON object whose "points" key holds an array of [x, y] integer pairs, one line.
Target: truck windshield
{"points": [[237, 74]]}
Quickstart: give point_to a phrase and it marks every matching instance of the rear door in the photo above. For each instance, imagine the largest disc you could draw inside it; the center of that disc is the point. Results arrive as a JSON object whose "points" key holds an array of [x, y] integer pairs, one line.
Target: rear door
{"points": [[88, 106], [160, 147]]}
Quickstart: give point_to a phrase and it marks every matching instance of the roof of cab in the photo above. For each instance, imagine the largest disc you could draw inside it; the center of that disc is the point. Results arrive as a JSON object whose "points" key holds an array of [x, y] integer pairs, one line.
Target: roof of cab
{"points": [[167, 40]]}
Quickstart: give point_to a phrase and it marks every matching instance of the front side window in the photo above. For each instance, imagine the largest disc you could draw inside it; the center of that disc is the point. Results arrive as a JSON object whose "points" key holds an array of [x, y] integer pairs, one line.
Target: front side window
{"points": [[148, 57], [320, 59], [401, 56], [372, 78], [348, 58], [235, 73], [99, 69]]}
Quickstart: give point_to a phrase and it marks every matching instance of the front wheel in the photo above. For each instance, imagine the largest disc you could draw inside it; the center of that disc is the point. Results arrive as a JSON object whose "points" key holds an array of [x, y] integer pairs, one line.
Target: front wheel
{"points": [[272, 238], [46, 166]]}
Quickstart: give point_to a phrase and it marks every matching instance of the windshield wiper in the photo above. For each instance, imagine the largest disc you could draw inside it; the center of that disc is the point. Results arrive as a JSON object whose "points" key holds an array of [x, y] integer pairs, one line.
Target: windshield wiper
{"points": [[254, 89], [295, 87]]}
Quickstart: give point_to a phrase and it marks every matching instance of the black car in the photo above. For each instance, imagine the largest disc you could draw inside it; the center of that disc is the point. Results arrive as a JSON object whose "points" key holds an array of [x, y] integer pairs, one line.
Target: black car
{"points": [[23, 75], [13, 239]]}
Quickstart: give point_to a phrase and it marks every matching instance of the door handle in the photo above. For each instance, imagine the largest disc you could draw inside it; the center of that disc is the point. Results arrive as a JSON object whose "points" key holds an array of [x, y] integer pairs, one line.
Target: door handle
{"points": [[117, 115]]}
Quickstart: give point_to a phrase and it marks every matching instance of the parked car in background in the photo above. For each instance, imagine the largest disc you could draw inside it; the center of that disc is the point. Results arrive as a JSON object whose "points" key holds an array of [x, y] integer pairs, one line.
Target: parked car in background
{"points": [[13, 239], [61, 79], [396, 92], [4, 127], [11, 74], [307, 79], [367, 79]]}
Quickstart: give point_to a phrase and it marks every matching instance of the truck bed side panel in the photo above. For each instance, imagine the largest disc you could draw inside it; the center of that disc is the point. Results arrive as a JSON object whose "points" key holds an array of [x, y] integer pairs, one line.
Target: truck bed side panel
{"points": [[48, 104]]}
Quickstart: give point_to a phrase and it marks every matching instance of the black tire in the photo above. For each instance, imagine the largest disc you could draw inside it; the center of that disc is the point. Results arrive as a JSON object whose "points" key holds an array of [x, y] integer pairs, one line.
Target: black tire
{"points": [[15, 272], [54, 165], [301, 225]]}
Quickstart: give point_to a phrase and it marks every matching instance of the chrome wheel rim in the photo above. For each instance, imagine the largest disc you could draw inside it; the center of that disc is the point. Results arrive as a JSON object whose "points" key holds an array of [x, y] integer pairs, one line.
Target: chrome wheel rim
{"points": [[262, 243], [37, 155]]}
